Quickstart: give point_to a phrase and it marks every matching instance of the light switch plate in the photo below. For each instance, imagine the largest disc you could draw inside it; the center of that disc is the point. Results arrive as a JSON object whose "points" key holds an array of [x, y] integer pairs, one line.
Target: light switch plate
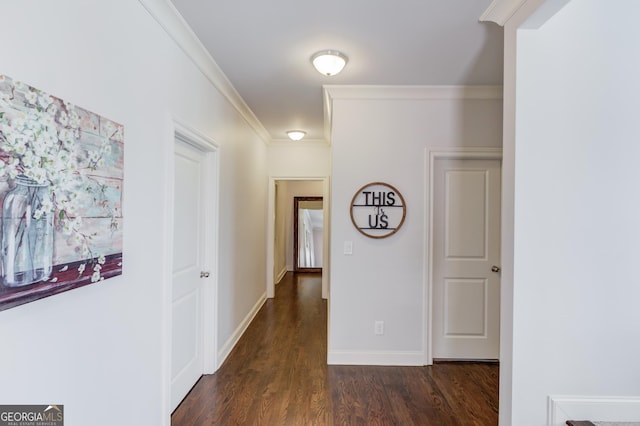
{"points": [[348, 247]]}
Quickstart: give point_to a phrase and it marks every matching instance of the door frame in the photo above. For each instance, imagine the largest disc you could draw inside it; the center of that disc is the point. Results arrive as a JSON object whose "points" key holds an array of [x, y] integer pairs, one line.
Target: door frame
{"points": [[271, 226], [187, 134], [296, 247], [431, 156]]}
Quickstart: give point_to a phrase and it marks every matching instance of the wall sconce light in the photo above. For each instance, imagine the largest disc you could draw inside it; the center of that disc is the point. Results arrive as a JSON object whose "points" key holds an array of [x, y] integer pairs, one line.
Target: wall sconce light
{"points": [[329, 62], [296, 135]]}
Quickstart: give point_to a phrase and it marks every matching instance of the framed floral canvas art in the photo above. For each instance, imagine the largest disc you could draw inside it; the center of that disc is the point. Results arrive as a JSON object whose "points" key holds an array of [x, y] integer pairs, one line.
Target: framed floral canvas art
{"points": [[61, 181]]}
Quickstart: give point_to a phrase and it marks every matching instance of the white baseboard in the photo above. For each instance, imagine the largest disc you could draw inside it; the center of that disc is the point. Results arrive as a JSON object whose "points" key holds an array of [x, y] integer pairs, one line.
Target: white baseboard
{"points": [[281, 275], [375, 358], [561, 408], [228, 346]]}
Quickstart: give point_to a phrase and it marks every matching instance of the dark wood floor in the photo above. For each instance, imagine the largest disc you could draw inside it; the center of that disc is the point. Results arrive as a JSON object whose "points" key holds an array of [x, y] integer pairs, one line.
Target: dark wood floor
{"points": [[278, 375]]}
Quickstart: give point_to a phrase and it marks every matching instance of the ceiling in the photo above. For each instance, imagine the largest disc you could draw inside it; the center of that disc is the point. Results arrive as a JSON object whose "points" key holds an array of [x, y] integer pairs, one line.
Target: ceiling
{"points": [[264, 49]]}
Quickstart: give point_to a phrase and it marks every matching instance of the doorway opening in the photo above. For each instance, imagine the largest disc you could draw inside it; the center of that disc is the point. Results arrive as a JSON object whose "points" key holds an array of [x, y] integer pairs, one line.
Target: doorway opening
{"points": [[463, 288], [308, 224], [280, 240], [191, 314]]}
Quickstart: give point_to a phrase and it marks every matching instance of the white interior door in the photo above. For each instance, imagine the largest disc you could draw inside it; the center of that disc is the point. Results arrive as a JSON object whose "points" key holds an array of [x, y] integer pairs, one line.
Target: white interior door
{"points": [[188, 277], [466, 246]]}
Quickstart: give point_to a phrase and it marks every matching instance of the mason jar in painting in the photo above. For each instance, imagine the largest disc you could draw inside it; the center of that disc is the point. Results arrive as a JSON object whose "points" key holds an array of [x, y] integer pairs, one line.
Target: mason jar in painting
{"points": [[27, 233]]}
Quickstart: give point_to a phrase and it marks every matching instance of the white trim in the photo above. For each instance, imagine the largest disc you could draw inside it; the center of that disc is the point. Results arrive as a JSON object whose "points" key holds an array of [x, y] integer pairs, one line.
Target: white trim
{"points": [[271, 224], [165, 13], [271, 234], [431, 155], [228, 346], [180, 131], [193, 136], [280, 275], [561, 408], [370, 92], [408, 358], [326, 243], [167, 280], [499, 11]]}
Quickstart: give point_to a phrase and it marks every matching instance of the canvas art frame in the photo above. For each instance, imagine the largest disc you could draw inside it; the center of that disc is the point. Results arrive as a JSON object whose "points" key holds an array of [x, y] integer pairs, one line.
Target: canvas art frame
{"points": [[61, 184]]}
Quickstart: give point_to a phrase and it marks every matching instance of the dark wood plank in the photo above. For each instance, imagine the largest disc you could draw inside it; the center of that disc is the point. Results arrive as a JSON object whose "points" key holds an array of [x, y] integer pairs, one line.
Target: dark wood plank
{"points": [[278, 375]]}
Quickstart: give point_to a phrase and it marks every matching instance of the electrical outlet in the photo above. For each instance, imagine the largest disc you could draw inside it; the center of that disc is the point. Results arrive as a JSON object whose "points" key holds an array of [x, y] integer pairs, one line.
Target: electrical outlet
{"points": [[378, 328]]}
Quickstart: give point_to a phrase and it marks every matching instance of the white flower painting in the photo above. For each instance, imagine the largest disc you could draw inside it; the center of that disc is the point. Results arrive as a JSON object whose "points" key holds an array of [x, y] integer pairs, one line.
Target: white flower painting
{"points": [[61, 182]]}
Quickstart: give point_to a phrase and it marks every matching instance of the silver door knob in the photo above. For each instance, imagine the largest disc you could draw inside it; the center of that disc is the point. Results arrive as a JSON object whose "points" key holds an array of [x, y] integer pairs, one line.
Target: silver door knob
{"points": [[204, 274], [495, 268]]}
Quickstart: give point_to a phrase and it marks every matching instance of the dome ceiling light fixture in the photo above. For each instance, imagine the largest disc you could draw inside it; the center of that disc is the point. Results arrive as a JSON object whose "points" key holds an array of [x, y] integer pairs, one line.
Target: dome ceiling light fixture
{"points": [[329, 62], [296, 135]]}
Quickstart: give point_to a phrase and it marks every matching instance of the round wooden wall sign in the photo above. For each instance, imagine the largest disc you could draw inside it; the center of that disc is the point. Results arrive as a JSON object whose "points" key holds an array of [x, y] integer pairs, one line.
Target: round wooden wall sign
{"points": [[378, 210]]}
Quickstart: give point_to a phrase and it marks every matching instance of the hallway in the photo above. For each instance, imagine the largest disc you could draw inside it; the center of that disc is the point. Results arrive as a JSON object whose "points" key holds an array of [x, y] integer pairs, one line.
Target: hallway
{"points": [[277, 375]]}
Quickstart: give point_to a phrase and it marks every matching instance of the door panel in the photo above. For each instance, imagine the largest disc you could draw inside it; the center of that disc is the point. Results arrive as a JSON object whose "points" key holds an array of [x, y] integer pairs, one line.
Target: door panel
{"points": [[185, 332], [466, 244], [468, 296], [465, 214], [188, 249]]}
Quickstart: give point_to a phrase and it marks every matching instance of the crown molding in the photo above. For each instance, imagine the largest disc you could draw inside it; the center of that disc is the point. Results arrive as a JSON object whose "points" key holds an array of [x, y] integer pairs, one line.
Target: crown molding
{"points": [[165, 13], [499, 11], [409, 92]]}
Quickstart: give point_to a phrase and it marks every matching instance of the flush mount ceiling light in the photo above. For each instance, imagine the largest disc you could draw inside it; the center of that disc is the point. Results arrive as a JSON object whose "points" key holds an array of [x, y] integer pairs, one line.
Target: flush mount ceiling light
{"points": [[296, 135], [329, 62]]}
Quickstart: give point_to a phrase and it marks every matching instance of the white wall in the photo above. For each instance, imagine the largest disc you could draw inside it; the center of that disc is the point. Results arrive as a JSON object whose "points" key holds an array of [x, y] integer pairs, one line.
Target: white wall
{"points": [[576, 208], [381, 134], [104, 345], [300, 159], [508, 176]]}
